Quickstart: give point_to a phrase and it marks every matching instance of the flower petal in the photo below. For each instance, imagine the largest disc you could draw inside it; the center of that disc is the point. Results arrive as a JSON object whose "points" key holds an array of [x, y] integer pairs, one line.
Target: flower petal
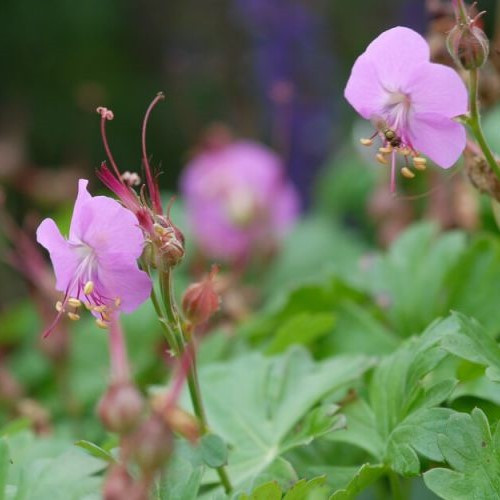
{"points": [[64, 260], [119, 276], [78, 210], [434, 88], [441, 139], [107, 227], [363, 90], [394, 53]]}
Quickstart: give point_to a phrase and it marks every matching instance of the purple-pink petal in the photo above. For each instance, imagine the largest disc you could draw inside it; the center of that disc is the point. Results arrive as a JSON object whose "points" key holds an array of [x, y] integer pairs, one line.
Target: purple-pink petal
{"points": [[440, 138], [435, 88], [64, 259]]}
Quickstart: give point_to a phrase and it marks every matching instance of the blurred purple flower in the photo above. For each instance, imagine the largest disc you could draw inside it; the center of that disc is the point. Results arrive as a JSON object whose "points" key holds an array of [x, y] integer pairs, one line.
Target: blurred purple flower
{"points": [[393, 80], [97, 264], [293, 71], [238, 200]]}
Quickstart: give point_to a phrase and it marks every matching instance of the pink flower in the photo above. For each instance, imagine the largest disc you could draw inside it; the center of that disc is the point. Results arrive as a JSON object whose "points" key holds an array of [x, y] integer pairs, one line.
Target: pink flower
{"points": [[97, 264], [394, 83], [238, 199]]}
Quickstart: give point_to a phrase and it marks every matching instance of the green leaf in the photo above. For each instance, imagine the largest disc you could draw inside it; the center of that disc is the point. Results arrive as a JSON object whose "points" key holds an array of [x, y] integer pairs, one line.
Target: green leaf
{"points": [[184, 472], [4, 466], [213, 450], [412, 276], [95, 450], [267, 491], [470, 341], [303, 328], [474, 458], [364, 477], [303, 489], [260, 405]]}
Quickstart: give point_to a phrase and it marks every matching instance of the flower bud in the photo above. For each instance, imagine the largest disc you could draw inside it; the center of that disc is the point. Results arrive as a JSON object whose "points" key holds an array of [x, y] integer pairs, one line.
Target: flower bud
{"points": [[151, 445], [201, 300], [169, 242], [183, 422], [120, 408], [468, 46], [118, 483]]}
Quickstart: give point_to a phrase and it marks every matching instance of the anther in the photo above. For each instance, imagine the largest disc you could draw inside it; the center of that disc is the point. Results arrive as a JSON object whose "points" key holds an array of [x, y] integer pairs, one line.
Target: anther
{"points": [[385, 150], [366, 142], [105, 113], [118, 301], [381, 159], [406, 172], [99, 309], [420, 163], [59, 306], [74, 302], [73, 316], [405, 151], [88, 288], [101, 324]]}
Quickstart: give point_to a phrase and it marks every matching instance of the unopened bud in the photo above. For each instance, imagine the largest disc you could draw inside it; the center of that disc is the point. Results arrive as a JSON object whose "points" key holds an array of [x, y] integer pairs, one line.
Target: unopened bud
{"points": [[169, 243], [183, 423], [468, 46], [120, 408], [118, 483], [151, 445], [200, 300]]}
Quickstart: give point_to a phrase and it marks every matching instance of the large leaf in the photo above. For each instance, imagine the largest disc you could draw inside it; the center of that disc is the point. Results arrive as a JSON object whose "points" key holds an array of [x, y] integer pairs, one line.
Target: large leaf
{"points": [[411, 276], [260, 406], [474, 457], [366, 475]]}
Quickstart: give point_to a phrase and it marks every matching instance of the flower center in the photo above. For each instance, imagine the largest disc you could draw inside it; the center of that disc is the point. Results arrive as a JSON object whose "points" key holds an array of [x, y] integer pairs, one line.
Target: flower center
{"points": [[396, 111]]}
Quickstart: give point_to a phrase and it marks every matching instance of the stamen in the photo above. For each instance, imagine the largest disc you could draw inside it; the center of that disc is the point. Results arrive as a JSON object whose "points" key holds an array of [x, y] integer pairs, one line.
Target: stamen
{"points": [[107, 114], [385, 150], [59, 306], [381, 159], [393, 172], [366, 142], [420, 163], [406, 172], [73, 316], [88, 288], [118, 301], [74, 302], [101, 324]]}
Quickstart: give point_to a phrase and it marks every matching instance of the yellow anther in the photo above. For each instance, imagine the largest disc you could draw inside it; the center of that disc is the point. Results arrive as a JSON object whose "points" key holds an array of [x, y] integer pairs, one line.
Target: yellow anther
{"points": [[74, 302], [73, 316], [59, 306], [406, 172], [405, 151], [98, 309], [101, 324], [385, 150], [118, 301], [159, 230], [381, 159], [88, 306], [420, 163], [366, 142], [88, 288]]}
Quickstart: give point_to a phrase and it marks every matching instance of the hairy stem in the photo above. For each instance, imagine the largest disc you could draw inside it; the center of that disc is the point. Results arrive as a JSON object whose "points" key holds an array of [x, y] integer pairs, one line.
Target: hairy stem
{"points": [[183, 341], [474, 122]]}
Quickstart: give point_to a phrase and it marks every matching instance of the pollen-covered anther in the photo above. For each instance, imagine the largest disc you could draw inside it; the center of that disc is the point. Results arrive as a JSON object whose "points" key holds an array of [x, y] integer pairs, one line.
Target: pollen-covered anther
{"points": [[366, 142], [131, 178], [88, 288], [405, 151], [406, 172], [420, 163], [102, 324], [73, 302], [381, 159], [59, 306], [118, 301], [73, 316], [385, 150], [98, 309]]}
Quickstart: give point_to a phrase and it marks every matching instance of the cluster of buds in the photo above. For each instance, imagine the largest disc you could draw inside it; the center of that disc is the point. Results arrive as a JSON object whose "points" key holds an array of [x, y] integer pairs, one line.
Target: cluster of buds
{"points": [[166, 242], [466, 42]]}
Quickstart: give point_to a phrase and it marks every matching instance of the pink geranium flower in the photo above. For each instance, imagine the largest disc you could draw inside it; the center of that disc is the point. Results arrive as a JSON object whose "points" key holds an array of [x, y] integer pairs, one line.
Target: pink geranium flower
{"points": [[238, 200], [411, 101], [97, 264]]}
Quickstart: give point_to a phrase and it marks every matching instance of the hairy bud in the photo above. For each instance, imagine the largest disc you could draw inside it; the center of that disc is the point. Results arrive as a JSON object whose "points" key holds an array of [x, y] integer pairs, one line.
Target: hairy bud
{"points": [[468, 46], [120, 408], [118, 483], [201, 300], [151, 445]]}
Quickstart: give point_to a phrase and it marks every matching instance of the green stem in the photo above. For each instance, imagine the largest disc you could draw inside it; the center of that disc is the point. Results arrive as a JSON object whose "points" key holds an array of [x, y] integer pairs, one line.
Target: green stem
{"points": [[182, 342], [474, 122], [396, 487]]}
